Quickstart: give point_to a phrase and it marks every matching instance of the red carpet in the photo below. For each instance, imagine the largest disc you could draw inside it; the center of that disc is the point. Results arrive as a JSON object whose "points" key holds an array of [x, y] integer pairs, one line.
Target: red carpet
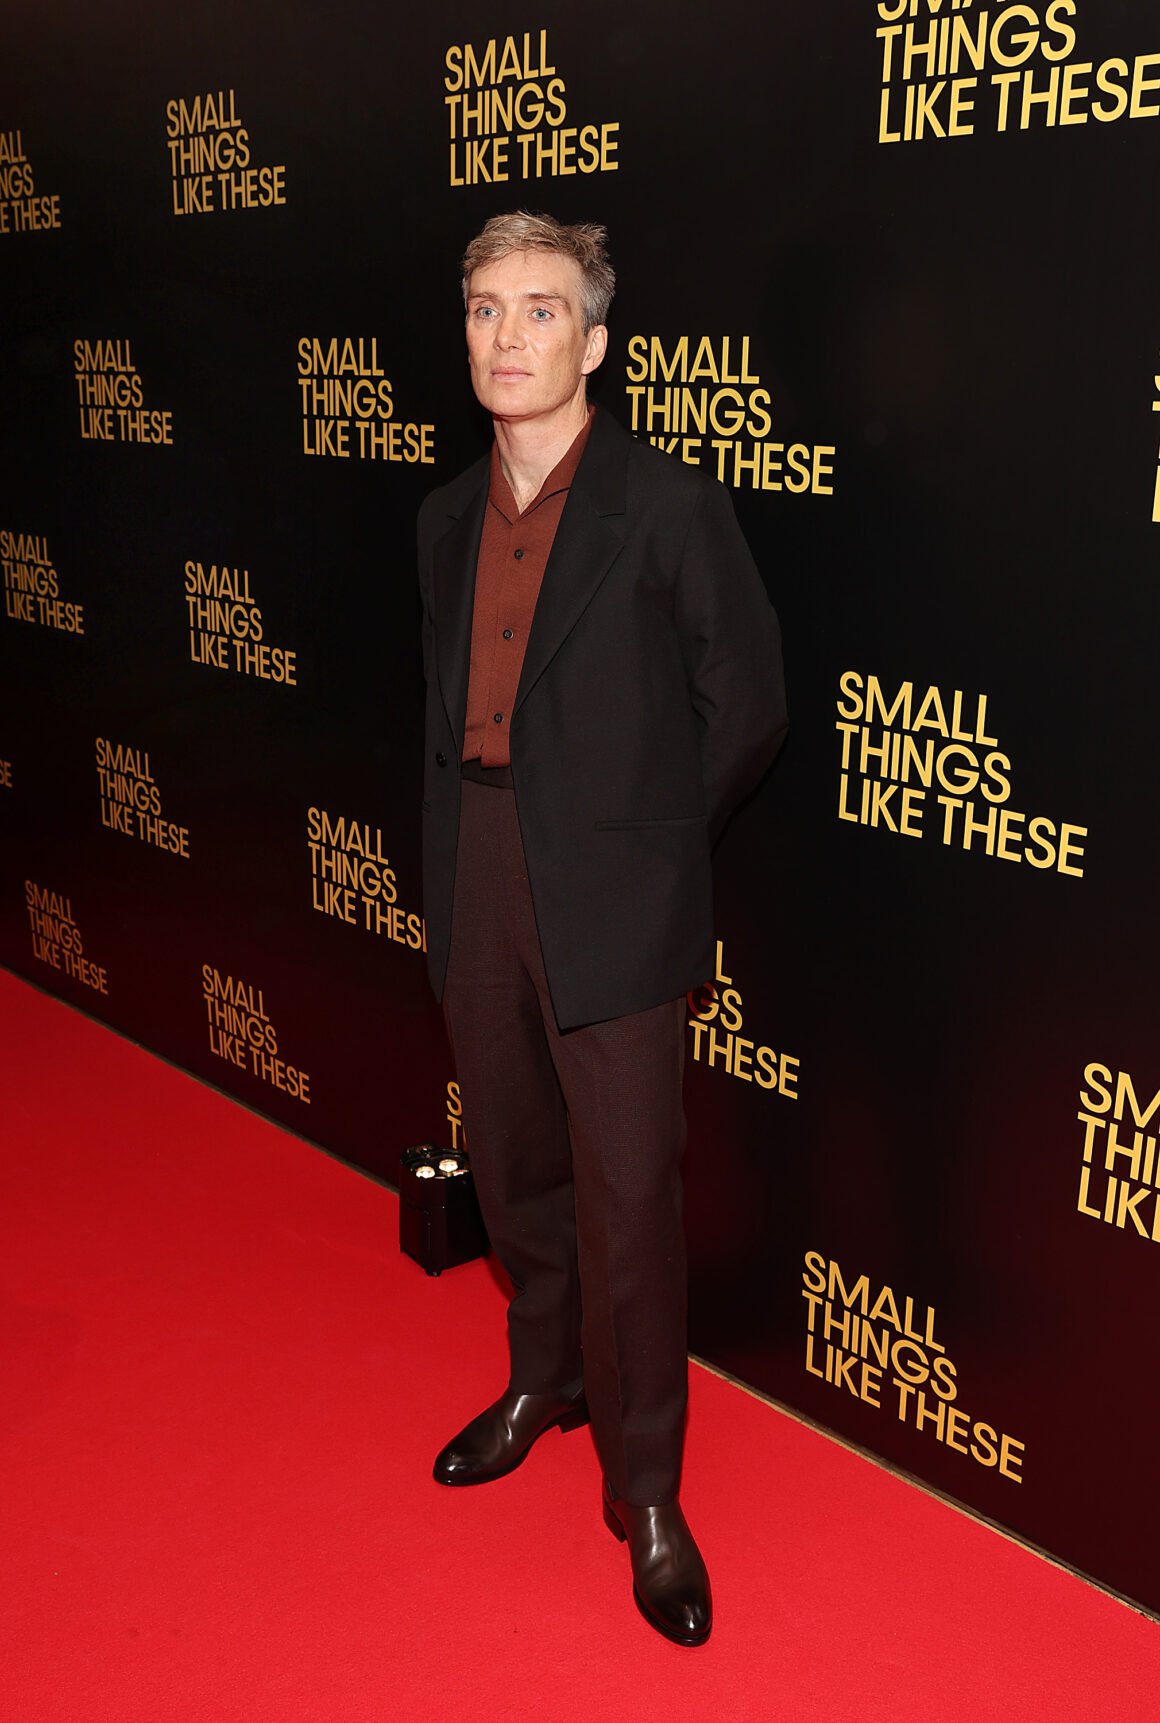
{"points": [[222, 1391]]}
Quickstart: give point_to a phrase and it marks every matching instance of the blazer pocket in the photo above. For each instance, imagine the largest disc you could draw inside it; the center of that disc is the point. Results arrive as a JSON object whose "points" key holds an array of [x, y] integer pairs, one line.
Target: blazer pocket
{"points": [[648, 825]]}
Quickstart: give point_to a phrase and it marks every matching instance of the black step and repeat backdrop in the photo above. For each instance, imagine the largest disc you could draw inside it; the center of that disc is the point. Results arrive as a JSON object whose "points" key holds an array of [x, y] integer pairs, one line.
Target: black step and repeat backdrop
{"points": [[888, 270]]}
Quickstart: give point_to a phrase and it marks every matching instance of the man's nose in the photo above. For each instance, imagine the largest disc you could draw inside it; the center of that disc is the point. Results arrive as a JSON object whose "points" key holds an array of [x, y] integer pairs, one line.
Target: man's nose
{"points": [[508, 331]]}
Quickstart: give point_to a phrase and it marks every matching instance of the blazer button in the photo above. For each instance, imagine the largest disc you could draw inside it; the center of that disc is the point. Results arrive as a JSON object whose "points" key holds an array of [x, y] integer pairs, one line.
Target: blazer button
{"points": [[441, 759]]}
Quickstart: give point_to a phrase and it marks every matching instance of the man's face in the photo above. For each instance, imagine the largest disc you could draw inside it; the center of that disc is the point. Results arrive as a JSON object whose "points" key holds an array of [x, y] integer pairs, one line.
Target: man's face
{"points": [[526, 344]]}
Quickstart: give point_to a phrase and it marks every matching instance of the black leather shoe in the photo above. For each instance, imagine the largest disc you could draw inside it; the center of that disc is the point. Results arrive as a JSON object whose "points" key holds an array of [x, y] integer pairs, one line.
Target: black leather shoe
{"points": [[670, 1583], [498, 1440]]}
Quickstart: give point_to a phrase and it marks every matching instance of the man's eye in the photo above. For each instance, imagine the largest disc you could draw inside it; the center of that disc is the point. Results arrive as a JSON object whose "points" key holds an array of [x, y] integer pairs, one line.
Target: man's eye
{"points": [[542, 313], [485, 311]]}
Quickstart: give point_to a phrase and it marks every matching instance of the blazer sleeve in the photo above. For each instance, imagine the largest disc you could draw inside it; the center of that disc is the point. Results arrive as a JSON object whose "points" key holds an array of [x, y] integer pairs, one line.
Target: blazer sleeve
{"points": [[731, 644]]}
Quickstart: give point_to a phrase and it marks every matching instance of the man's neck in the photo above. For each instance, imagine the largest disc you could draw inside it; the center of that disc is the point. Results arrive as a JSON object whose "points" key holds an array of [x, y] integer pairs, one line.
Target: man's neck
{"points": [[530, 448]]}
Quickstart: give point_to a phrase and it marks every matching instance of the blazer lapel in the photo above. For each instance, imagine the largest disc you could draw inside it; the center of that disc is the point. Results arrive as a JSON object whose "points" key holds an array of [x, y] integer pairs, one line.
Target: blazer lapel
{"points": [[588, 540], [455, 556]]}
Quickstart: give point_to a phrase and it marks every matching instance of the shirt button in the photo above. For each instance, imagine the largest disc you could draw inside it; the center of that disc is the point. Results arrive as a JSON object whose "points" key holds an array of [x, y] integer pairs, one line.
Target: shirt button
{"points": [[507, 633], [519, 555], [497, 717], [441, 758]]}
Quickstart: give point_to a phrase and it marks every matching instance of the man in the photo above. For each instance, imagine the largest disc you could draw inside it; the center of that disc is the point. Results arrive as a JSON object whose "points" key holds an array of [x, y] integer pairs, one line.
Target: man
{"points": [[604, 684]]}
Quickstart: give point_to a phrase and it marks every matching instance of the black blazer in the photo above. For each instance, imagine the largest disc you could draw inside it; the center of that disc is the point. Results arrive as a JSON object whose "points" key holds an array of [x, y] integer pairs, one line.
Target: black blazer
{"points": [[651, 701]]}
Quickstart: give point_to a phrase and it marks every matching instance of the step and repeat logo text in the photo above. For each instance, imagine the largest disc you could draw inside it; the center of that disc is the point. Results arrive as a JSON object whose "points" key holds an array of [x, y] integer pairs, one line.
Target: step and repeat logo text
{"points": [[881, 1349], [716, 1019], [57, 940], [1119, 1175], [241, 1033], [352, 880], [32, 586], [22, 208], [348, 405], [698, 397], [455, 1116], [226, 629], [112, 396], [211, 161], [952, 69], [131, 801], [918, 761], [509, 119]]}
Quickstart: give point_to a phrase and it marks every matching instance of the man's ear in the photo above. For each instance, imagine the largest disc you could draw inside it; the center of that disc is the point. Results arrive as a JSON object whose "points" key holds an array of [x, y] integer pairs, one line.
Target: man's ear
{"points": [[597, 347]]}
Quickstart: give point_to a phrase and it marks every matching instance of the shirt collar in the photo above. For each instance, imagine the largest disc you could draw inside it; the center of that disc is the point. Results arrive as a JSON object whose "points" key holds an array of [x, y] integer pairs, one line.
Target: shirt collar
{"points": [[559, 479]]}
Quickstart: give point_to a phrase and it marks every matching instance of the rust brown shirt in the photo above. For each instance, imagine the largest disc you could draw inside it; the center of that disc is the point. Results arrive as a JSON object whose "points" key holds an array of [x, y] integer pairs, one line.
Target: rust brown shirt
{"points": [[513, 554]]}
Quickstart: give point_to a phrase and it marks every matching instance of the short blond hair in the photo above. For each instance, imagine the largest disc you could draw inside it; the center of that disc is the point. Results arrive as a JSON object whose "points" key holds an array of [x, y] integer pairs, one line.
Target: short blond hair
{"points": [[583, 242]]}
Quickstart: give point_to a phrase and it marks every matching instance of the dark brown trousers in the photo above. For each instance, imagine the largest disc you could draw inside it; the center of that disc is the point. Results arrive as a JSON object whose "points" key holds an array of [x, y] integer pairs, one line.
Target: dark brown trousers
{"points": [[575, 1141]]}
